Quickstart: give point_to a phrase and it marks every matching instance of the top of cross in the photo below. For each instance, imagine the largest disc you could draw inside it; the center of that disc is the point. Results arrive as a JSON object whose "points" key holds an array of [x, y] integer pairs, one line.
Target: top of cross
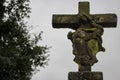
{"points": [[72, 21], [83, 8]]}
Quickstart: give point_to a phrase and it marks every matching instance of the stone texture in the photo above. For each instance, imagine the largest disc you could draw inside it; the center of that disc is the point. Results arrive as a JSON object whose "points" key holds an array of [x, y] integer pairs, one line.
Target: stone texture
{"points": [[72, 20], [86, 75]]}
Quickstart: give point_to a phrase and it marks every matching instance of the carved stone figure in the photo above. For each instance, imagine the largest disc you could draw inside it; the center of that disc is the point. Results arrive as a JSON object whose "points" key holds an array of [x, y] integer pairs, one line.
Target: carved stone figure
{"points": [[86, 42]]}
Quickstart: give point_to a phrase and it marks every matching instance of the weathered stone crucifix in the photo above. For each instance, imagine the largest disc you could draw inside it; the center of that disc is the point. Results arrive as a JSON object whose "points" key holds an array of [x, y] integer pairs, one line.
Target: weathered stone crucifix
{"points": [[86, 39]]}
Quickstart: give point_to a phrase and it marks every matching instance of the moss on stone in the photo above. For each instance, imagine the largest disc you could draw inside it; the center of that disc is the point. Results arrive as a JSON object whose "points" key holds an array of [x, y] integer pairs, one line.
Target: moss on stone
{"points": [[93, 46]]}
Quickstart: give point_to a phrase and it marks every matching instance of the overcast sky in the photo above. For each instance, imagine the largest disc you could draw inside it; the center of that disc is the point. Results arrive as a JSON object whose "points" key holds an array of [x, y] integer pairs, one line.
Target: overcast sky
{"points": [[61, 58]]}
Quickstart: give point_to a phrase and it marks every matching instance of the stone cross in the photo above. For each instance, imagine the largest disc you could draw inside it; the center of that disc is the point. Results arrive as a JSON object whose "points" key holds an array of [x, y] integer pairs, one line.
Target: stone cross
{"points": [[72, 21], [86, 39]]}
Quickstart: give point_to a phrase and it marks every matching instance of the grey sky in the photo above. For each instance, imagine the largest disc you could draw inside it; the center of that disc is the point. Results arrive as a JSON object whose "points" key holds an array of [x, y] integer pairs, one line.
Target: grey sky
{"points": [[61, 58]]}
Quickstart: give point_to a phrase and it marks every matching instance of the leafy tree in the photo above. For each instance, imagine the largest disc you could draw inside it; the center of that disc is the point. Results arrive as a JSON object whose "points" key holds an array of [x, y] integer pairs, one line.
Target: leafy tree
{"points": [[19, 53]]}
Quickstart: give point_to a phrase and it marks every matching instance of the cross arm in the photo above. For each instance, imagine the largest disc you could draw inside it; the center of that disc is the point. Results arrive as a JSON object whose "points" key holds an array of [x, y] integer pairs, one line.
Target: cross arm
{"points": [[105, 20], [65, 21], [72, 21]]}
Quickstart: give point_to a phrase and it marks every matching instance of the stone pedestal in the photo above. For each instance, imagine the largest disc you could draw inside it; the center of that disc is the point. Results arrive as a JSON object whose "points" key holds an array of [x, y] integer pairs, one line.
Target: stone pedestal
{"points": [[85, 75]]}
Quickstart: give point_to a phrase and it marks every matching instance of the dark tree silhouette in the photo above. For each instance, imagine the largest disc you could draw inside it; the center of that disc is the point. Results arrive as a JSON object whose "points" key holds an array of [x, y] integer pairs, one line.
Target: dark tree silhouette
{"points": [[19, 53]]}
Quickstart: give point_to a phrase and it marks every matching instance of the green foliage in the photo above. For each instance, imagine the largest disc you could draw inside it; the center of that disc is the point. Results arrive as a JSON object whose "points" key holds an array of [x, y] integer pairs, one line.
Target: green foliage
{"points": [[19, 54]]}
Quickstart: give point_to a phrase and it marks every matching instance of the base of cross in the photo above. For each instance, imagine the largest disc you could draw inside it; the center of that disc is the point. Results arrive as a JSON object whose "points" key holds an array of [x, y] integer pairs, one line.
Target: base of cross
{"points": [[85, 75]]}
